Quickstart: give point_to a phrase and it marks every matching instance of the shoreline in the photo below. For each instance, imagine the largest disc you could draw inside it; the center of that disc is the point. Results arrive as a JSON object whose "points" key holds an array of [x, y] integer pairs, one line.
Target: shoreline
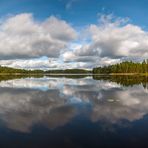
{"points": [[62, 74]]}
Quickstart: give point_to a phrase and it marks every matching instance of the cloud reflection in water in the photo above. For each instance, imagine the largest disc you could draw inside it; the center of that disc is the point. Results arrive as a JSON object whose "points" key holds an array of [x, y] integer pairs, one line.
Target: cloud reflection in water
{"points": [[53, 102]]}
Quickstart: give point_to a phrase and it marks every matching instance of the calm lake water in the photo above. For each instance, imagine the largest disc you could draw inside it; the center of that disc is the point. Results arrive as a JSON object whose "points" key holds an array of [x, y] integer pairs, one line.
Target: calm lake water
{"points": [[74, 112]]}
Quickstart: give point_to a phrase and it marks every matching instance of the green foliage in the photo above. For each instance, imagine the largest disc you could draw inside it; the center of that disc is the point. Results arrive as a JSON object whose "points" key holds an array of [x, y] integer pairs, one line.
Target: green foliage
{"points": [[124, 67], [14, 71], [8, 70], [69, 71]]}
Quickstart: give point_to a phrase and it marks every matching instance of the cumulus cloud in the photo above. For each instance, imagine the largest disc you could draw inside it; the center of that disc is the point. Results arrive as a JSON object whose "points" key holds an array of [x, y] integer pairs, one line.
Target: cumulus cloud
{"points": [[30, 63], [119, 39], [110, 41], [113, 40], [44, 64], [22, 36]]}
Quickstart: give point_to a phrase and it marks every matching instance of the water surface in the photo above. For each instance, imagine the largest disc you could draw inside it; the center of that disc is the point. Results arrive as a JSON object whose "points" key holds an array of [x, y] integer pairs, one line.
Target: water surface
{"points": [[74, 112]]}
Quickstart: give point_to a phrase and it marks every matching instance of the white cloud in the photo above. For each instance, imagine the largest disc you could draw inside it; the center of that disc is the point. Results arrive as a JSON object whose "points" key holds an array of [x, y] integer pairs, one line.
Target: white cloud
{"points": [[22, 36], [39, 63], [110, 41], [27, 64], [115, 39]]}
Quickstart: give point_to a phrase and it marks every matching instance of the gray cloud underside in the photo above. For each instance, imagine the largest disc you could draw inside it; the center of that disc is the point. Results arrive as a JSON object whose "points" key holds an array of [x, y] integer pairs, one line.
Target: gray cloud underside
{"points": [[23, 37], [110, 41]]}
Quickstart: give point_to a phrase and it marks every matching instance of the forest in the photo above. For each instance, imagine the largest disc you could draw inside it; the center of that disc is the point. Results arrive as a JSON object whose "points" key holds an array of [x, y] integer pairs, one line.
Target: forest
{"points": [[8, 70], [127, 67], [124, 67]]}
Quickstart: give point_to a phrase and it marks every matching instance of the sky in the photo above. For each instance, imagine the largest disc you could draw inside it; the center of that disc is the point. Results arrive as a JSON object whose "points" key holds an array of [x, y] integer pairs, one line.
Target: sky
{"points": [[60, 34]]}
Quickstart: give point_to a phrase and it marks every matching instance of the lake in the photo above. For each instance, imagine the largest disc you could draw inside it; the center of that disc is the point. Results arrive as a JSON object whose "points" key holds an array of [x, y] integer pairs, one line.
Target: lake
{"points": [[74, 111]]}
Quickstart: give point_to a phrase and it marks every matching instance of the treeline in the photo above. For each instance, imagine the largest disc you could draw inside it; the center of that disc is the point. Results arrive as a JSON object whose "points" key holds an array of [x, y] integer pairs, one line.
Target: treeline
{"points": [[69, 71], [8, 70], [124, 67]]}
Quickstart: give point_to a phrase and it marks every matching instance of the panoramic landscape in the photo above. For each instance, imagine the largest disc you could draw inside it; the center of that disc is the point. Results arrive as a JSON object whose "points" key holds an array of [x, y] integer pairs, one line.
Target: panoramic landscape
{"points": [[73, 74]]}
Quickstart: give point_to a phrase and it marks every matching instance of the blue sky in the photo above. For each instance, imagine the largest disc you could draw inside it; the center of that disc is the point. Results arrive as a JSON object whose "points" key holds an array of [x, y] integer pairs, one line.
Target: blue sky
{"points": [[81, 44], [78, 12]]}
